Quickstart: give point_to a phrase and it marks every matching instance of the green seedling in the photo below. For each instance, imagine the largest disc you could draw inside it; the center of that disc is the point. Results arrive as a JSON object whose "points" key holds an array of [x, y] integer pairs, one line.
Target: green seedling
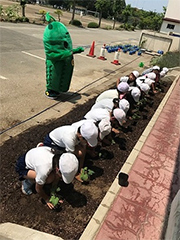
{"points": [[54, 200], [113, 142], [55, 189], [136, 116], [104, 154], [158, 89], [85, 173], [90, 172]]}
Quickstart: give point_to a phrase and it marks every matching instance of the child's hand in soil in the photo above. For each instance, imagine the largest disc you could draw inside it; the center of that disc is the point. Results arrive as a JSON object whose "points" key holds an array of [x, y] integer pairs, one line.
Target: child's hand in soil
{"points": [[53, 202], [78, 177], [50, 205], [115, 131]]}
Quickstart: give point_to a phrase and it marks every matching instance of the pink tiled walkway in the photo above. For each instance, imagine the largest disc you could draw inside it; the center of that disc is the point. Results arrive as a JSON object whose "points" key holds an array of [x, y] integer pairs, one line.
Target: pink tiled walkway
{"points": [[139, 211]]}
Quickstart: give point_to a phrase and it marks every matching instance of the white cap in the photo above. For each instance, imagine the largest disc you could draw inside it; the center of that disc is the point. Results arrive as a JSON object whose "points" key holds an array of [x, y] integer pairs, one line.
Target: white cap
{"points": [[165, 69], [68, 166], [151, 75], [156, 68], [124, 105], [162, 73], [120, 115], [145, 87], [89, 131], [123, 87], [104, 127], [135, 73], [136, 93]]}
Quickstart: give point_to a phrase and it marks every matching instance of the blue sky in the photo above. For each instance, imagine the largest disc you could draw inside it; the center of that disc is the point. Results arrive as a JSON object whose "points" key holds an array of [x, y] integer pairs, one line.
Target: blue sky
{"points": [[149, 5]]}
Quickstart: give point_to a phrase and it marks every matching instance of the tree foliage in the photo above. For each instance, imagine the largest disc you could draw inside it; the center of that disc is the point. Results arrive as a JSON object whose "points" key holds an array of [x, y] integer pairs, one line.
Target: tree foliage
{"points": [[113, 9], [102, 6], [59, 14], [117, 7]]}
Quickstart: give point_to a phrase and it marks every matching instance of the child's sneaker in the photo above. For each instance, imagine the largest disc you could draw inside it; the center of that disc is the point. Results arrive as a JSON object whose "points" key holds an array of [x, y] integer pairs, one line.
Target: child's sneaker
{"points": [[26, 187]]}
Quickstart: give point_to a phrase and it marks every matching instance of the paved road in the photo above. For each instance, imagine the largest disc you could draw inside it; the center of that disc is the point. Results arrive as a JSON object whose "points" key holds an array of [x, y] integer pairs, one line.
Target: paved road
{"points": [[22, 74]]}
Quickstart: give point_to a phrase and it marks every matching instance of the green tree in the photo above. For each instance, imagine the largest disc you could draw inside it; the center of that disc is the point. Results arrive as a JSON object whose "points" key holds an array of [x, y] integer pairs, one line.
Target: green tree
{"points": [[126, 13], [12, 12], [73, 9], [156, 22], [133, 21], [164, 10], [59, 14], [43, 15], [1, 13], [102, 6], [117, 7], [23, 5]]}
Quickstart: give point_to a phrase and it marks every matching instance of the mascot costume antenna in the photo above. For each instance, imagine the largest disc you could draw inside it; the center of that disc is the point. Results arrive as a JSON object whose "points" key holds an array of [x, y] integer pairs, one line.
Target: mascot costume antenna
{"points": [[59, 57]]}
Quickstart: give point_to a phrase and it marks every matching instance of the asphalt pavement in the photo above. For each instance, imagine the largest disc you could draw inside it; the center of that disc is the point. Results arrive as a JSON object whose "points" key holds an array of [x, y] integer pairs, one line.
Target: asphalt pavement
{"points": [[22, 74]]}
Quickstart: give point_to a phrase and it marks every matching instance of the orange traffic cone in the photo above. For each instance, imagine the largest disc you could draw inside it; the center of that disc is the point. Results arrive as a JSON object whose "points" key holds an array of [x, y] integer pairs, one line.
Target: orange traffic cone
{"points": [[116, 58], [102, 53], [91, 51]]}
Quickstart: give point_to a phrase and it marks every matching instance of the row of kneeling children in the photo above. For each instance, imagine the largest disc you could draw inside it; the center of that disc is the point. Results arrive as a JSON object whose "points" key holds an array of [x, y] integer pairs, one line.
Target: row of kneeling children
{"points": [[62, 154]]}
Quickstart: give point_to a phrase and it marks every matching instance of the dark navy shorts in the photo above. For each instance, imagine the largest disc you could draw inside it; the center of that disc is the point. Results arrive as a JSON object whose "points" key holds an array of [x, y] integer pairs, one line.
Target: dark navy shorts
{"points": [[49, 143], [21, 167]]}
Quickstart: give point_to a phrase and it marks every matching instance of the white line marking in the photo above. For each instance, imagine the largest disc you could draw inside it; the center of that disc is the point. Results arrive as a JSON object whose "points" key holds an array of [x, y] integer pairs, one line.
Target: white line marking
{"points": [[3, 77], [32, 55]]}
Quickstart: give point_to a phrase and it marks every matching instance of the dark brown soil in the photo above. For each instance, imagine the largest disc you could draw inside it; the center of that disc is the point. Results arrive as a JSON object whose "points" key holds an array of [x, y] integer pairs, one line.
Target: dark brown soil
{"points": [[81, 201]]}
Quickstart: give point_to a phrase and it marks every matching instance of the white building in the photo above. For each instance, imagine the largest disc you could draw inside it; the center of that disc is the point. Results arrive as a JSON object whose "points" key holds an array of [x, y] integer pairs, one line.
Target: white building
{"points": [[171, 21]]}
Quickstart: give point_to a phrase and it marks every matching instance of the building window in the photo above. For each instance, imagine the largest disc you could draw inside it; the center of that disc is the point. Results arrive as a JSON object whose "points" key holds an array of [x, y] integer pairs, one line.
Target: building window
{"points": [[170, 26]]}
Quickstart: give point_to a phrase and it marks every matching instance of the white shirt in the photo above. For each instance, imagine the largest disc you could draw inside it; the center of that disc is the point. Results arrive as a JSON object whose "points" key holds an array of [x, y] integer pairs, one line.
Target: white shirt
{"points": [[40, 160], [111, 93], [106, 103], [65, 136], [144, 79], [97, 114], [147, 71], [124, 79]]}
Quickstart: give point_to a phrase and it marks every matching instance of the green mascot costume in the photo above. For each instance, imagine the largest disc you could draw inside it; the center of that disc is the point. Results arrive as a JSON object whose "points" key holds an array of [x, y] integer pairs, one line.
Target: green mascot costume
{"points": [[59, 57]]}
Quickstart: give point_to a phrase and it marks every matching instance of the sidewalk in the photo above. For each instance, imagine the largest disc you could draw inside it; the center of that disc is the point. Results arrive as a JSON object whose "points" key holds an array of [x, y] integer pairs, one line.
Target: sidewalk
{"points": [[141, 210]]}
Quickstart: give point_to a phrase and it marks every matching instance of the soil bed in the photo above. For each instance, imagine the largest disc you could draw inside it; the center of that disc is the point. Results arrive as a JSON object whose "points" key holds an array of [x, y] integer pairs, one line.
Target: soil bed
{"points": [[81, 201]]}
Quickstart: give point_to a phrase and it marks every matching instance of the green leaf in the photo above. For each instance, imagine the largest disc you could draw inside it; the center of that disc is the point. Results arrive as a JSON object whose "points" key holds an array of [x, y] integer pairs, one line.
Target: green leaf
{"points": [[90, 172], [84, 174], [54, 200]]}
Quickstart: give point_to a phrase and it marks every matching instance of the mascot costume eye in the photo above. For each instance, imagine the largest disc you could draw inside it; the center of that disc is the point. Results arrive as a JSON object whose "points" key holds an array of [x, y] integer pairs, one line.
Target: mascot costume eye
{"points": [[59, 57]]}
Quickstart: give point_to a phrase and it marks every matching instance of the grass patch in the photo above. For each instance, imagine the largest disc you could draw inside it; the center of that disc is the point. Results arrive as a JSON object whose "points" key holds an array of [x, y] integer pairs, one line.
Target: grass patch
{"points": [[169, 59]]}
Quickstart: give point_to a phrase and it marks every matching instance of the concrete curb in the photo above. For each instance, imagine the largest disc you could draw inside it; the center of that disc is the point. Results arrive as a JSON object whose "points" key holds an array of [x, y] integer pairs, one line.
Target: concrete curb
{"points": [[11, 231], [97, 219]]}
